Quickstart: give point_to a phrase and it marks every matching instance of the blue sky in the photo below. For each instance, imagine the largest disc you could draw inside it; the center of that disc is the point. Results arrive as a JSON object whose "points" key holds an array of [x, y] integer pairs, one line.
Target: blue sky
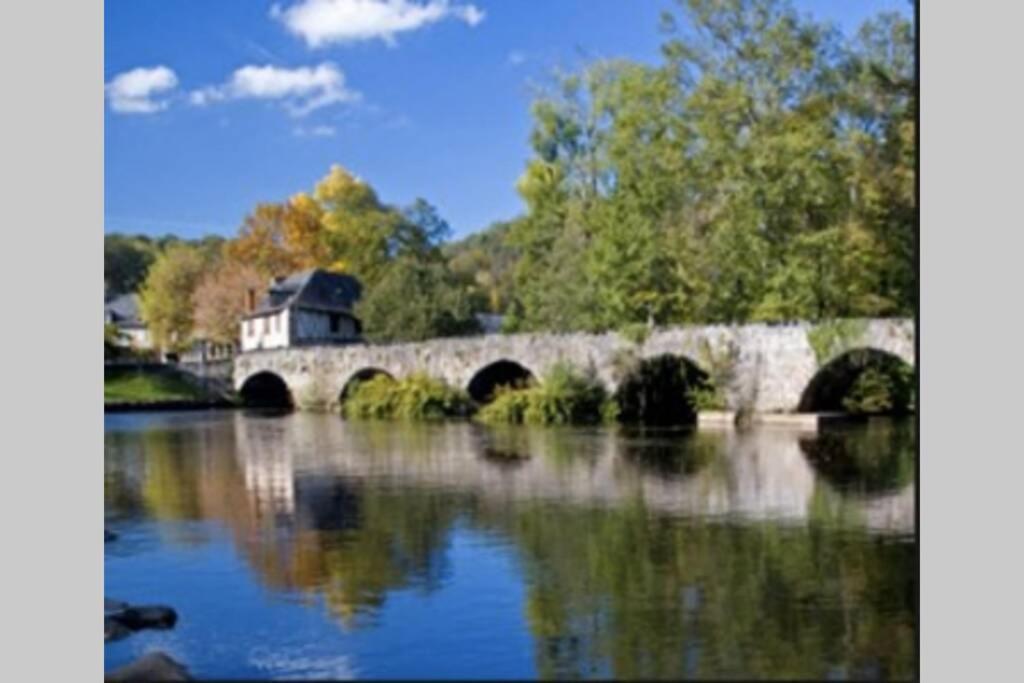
{"points": [[215, 105]]}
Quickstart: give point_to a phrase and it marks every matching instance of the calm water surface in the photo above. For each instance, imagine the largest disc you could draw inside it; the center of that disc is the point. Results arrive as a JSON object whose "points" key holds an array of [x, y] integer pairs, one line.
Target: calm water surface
{"points": [[303, 547]]}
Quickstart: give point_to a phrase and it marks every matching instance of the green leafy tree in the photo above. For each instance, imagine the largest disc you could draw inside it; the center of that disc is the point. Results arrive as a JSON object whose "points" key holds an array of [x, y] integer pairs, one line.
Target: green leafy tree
{"points": [[166, 296], [125, 262], [416, 300]]}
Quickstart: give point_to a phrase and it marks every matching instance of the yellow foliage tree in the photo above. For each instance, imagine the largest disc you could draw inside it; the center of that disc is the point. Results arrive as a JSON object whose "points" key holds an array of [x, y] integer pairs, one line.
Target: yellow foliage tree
{"points": [[165, 300]]}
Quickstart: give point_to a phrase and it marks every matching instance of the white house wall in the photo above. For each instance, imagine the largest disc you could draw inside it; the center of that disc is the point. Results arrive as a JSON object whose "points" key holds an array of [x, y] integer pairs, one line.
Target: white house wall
{"points": [[266, 332], [294, 326]]}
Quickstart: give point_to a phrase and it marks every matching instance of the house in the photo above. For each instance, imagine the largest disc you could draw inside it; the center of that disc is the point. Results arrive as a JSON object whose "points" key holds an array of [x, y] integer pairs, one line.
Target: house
{"points": [[123, 312], [312, 307]]}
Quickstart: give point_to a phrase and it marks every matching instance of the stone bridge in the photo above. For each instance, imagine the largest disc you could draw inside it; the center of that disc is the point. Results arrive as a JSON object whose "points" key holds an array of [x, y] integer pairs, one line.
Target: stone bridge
{"points": [[771, 367]]}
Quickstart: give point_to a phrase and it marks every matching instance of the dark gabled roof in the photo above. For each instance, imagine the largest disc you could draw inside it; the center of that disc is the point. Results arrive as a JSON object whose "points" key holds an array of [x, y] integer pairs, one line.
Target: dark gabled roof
{"points": [[313, 289], [123, 310]]}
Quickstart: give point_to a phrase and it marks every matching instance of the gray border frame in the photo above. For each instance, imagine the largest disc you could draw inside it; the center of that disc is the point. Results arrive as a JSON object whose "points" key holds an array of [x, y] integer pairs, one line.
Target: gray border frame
{"points": [[51, 137], [971, 242]]}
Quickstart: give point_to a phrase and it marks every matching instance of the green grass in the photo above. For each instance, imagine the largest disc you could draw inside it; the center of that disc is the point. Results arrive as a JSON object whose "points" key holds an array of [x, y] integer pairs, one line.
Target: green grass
{"points": [[131, 386]]}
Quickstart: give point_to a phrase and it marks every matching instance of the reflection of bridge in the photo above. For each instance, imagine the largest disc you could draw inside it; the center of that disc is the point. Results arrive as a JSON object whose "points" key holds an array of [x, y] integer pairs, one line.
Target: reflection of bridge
{"points": [[757, 475], [769, 366]]}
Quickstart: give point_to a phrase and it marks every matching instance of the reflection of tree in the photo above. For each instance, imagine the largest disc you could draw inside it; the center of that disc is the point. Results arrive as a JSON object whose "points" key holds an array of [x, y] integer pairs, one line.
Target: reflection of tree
{"points": [[650, 598], [874, 459], [669, 454], [171, 486]]}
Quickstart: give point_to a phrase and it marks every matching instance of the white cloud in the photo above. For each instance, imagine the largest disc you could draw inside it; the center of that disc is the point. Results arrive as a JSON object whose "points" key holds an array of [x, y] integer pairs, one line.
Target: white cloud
{"points": [[323, 22], [515, 58], [321, 131], [302, 90], [133, 92]]}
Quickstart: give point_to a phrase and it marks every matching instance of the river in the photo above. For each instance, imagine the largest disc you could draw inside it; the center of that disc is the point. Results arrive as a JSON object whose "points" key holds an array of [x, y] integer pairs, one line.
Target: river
{"points": [[302, 546]]}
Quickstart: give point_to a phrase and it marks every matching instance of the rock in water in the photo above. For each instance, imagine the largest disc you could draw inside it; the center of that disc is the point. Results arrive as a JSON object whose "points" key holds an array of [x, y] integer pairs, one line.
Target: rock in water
{"points": [[114, 630], [155, 666], [108, 536], [156, 616], [110, 605]]}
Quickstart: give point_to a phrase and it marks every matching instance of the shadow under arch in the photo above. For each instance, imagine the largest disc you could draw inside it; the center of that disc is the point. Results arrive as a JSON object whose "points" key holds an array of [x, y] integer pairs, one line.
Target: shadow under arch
{"points": [[890, 384], [357, 378], [266, 390], [502, 373], [659, 391]]}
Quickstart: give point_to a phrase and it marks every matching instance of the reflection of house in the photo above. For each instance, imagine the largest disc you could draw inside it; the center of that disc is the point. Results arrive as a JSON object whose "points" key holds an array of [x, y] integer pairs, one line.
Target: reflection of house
{"points": [[123, 312], [312, 307], [270, 479]]}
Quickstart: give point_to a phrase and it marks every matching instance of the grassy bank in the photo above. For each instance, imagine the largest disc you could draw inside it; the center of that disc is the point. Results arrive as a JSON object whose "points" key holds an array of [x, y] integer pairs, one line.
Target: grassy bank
{"points": [[128, 385]]}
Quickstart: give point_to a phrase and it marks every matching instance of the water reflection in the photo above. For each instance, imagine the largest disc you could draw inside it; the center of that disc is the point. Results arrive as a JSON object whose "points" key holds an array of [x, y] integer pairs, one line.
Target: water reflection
{"points": [[644, 554]]}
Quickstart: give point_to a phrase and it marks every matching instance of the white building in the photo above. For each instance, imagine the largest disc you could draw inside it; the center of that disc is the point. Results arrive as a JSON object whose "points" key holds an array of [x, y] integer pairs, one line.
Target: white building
{"points": [[123, 312], [312, 307]]}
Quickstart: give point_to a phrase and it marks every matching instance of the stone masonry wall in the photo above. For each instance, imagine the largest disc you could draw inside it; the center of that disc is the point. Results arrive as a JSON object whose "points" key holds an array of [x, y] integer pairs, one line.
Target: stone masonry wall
{"points": [[771, 365]]}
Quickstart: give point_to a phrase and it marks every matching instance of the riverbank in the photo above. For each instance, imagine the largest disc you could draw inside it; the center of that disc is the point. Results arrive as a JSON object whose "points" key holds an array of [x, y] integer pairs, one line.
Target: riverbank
{"points": [[129, 389]]}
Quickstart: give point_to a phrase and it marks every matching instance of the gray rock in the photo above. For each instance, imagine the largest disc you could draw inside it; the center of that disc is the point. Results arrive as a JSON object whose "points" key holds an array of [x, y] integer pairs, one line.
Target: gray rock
{"points": [[154, 666]]}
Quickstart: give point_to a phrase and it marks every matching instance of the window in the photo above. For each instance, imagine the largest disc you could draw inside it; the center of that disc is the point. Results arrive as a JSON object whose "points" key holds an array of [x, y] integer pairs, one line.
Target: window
{"points": [[335, 323]]}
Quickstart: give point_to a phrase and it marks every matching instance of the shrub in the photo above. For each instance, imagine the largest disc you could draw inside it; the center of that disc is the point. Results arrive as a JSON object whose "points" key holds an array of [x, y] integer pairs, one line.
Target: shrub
{"points": [[876, 391], [508, 406], [565, 396], [635, 333], [417, 397]]}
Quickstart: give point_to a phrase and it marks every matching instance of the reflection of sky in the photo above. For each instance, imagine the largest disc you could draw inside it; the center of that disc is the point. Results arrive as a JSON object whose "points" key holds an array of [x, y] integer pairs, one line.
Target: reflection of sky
{"points": [[230, 626]]}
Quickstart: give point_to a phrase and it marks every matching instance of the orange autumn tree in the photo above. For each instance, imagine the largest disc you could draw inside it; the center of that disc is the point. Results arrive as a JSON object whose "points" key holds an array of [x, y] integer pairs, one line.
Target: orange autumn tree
{"points": [[279, 239]]}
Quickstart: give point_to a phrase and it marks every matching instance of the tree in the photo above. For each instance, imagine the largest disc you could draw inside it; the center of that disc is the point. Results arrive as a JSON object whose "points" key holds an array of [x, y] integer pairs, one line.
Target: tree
{"points": [[220, 300], [166, 295], [125, 262], [359, 230], [763, 170], [261, 242], [416, 300]]}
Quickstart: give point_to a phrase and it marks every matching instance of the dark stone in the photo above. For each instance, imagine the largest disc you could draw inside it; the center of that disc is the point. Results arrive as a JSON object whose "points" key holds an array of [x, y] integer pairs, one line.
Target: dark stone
{"points": [[108, 536], [154, 666], [156, 616], [110, 605], [114, 630]]}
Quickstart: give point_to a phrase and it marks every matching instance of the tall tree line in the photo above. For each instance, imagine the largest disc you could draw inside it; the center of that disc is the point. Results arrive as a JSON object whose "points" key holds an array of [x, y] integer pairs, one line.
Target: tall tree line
{"points": [[764, 170]]}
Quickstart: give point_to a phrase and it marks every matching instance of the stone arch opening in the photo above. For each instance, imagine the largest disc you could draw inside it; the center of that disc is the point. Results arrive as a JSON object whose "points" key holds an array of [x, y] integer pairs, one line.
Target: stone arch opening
{"points": [[358, 378], [661, 391], [266, 390], [863, 381], [502, 373]]}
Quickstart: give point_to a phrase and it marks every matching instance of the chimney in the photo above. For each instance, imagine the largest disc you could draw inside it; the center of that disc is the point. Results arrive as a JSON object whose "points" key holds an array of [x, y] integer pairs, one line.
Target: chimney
{"points": [[250, 300]]}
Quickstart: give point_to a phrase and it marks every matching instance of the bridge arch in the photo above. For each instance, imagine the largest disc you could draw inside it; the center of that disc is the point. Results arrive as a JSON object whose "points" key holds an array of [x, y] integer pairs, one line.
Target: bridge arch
{"points": [[266, 389], [504, 372], [659, 390], [830, 387], [358, 376]]}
